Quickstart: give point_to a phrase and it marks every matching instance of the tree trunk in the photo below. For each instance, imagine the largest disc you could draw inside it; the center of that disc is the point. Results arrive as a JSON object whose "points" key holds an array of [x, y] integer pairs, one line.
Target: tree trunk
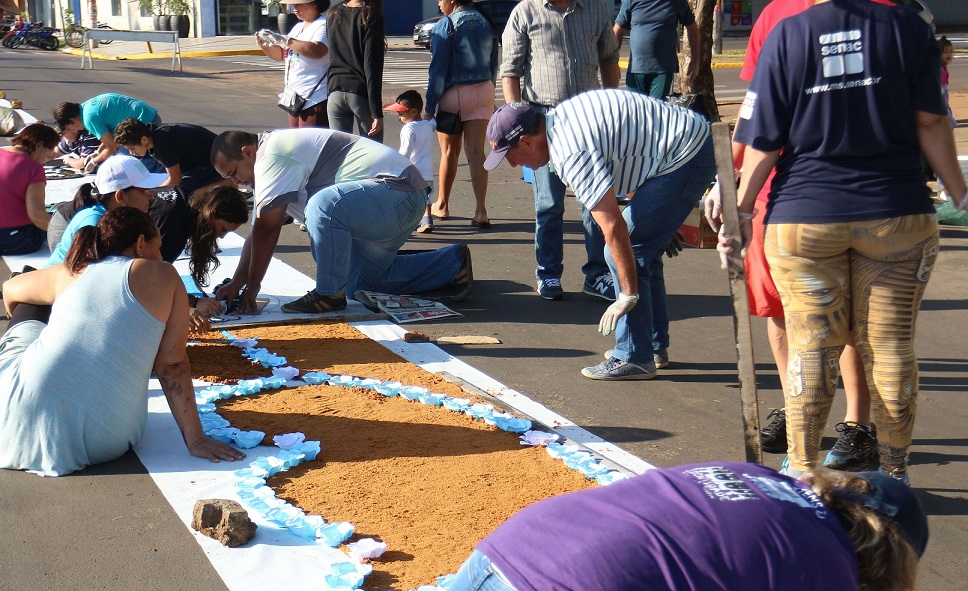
{"points": [[702, 84]]}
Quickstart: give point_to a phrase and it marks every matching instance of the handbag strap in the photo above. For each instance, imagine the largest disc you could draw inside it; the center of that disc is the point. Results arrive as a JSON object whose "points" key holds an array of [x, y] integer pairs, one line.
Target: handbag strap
{"points": [[285, 76]]}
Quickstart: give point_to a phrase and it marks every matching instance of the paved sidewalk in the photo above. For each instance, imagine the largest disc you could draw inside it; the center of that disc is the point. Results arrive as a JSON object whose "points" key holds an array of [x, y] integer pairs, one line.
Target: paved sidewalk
{"points": [[199, 47]]}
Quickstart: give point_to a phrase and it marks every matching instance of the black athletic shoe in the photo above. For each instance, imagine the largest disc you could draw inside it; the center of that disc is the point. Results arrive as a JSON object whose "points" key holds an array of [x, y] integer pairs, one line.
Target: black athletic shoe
{"points": [[773, 437], [314, 303], [855, 450]]}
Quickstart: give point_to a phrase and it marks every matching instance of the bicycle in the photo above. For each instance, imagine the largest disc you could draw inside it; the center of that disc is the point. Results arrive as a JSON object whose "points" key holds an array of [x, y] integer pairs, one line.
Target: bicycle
{"points": [[74, 34]]}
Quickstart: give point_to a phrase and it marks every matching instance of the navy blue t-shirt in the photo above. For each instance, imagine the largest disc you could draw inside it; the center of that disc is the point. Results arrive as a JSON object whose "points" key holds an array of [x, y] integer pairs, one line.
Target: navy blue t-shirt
{"points": [[837, 87], [654, 33], [706, 527]]}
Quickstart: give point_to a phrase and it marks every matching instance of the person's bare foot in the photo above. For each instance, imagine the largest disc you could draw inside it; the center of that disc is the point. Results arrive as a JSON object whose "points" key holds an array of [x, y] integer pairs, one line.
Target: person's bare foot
{"points": [[439, 212], [481, 220]]}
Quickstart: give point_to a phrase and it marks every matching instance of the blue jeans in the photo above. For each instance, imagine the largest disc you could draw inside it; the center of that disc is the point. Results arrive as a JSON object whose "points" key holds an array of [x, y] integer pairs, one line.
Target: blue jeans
{"points": [[21, 240], [549, 235], [355, 230], [660, 308], [345, 108], [657, 86], [478, 574], [659, 207]]}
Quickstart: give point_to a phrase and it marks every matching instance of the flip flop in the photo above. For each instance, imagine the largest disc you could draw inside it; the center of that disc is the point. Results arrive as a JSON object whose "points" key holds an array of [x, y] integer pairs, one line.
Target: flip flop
{"points": [[439, 217], [481, 225]]}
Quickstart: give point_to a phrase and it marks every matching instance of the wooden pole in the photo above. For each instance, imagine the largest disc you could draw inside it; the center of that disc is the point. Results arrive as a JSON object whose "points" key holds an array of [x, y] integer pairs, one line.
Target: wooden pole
{"points": [[737, 287]]}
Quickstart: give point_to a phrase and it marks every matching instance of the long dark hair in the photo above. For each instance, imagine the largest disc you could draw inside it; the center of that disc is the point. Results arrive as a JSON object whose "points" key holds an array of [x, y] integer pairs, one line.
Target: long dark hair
{"points": [[87, 195], [372, 17], [207, 205], [116, 232]]}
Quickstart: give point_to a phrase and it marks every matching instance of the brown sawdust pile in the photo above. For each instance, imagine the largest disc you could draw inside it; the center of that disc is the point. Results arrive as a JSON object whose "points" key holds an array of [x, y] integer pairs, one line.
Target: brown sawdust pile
{"points": [[427, 481]]}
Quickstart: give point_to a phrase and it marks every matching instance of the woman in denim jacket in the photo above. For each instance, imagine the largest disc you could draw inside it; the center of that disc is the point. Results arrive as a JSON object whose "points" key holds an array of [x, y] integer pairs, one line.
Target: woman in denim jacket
{"points": [[462, 72]]}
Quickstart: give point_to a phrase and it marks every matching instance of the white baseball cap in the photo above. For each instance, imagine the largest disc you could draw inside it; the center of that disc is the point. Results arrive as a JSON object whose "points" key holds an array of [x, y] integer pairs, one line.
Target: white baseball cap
{"points": [[123, 172]]}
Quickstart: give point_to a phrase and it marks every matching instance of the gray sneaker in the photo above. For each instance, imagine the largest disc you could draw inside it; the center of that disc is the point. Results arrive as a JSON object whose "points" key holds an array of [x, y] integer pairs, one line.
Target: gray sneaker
{"points": [[616, 369], [660, 357], [602, 287]]}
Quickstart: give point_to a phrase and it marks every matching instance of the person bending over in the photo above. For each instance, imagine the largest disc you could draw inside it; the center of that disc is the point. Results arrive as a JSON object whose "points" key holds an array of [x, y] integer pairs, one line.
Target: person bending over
{"points": [[360, 202], [182, 148], [710, 527]]}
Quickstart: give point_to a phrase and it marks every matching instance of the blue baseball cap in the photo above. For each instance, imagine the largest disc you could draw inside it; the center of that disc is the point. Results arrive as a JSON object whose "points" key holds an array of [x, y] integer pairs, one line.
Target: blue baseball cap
{"points": [[506, 126], [895, 500]]}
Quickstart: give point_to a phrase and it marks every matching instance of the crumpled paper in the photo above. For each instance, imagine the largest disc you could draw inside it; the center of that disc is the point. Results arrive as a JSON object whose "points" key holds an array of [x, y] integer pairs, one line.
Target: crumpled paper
{"points": [[288, 440], [334, 534], [244, 343], [286, 372], [537, 438], [248, 439], [457, 404], [347, 575], [366, 548]]}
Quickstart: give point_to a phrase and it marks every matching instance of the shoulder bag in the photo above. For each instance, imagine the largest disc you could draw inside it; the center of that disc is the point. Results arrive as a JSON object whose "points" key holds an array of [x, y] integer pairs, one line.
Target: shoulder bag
{"points": [[290, 101], [447, 122]]}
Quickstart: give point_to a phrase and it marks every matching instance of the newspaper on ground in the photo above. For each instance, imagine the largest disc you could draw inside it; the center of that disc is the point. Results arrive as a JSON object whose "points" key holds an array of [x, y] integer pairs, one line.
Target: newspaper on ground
{"points": [[402, 309]]}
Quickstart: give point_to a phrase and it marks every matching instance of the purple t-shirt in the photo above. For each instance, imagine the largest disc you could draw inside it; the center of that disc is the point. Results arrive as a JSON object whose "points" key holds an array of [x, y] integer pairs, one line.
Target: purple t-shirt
{"points": [[837, 87], [707, 527]]}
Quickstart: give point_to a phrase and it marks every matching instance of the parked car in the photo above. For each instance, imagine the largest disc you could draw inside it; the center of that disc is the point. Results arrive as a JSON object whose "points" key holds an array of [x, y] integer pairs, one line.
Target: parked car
{"points": [[497, 10]]}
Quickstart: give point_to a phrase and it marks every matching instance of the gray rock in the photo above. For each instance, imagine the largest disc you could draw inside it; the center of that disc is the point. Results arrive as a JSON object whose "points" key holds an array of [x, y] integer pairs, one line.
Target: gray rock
{"points": [[224, 520]]}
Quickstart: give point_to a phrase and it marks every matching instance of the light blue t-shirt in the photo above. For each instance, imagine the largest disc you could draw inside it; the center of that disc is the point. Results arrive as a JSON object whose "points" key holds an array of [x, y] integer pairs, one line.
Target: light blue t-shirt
{"points": [[102, 113], [89, 216]]}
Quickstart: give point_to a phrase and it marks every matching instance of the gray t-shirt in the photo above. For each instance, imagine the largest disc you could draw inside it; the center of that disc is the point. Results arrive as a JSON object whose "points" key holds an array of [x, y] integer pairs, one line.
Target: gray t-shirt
{"points": [[293, 164]]}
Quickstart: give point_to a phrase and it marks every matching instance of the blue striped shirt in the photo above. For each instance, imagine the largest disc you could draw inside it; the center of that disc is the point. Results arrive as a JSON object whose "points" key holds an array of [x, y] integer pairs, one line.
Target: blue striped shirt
{"points": [[612, 137]]}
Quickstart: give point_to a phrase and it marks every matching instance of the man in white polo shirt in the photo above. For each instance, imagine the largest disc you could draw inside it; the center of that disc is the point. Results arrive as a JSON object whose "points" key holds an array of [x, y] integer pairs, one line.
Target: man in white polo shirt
{"points": [[605, 142]]}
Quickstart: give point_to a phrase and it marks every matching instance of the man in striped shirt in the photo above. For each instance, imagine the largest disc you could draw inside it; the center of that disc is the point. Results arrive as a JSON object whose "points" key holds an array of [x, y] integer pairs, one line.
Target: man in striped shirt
{"points": [[605, 142], [553, 50]]}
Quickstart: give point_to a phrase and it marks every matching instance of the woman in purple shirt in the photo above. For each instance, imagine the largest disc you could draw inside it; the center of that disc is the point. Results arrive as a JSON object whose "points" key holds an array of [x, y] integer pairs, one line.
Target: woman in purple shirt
{"points": [[717, 526]]}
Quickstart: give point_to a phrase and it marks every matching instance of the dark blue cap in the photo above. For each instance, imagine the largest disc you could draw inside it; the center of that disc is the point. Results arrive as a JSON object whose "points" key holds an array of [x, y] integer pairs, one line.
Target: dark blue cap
{"points": [[894, 499], [506, 126]]}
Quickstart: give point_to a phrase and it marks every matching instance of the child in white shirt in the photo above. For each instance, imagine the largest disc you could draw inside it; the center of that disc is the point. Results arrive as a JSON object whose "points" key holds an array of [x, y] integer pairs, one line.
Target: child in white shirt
{"points": [[416, 143]]}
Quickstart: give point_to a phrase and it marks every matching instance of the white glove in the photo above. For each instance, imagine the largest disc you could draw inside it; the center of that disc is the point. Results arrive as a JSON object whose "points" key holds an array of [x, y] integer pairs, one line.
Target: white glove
{"points": [[964, 203], [712, 205], [725, 245], [89, 164], [620, 307]]}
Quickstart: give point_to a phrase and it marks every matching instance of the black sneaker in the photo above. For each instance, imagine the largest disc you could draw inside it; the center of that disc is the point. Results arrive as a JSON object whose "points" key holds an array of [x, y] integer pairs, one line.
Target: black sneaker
{"points": [[855, 450], [314, 303], [773, 437]]}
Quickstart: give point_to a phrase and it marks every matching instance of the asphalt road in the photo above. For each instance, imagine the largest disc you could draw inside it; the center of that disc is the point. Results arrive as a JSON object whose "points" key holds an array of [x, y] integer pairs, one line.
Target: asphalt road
{"points": [[109, 528]]}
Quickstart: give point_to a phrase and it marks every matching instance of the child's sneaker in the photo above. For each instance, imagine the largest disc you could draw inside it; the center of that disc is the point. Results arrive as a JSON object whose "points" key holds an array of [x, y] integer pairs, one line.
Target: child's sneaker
{"points": [[426, 225]]}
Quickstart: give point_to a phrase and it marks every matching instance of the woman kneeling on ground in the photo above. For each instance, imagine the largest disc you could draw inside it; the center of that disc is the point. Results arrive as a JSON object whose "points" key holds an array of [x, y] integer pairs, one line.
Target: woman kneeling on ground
{"points": [[73, 391]]}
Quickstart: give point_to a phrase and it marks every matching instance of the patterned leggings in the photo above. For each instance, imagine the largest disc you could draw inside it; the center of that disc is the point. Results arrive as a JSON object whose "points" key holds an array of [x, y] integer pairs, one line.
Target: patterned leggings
{"points": [[868, 276]]}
